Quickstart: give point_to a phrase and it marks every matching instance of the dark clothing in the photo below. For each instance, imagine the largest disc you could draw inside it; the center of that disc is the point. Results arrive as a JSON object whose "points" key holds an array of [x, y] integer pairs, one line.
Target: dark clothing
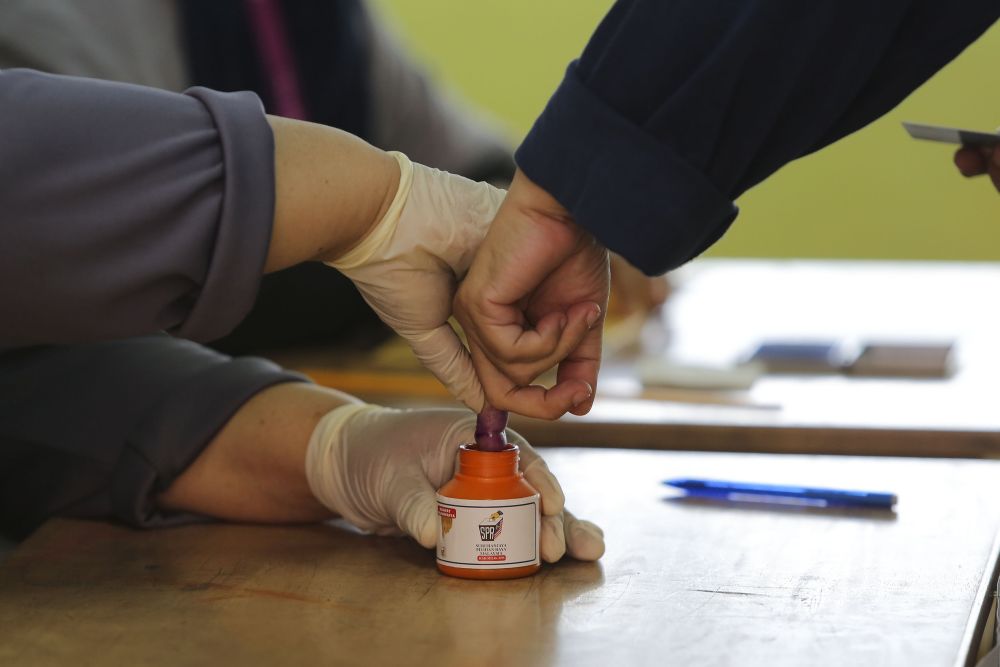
{"points": [[329, 40], [330, 63], [677, 107], [97, 430], [126, 210]]}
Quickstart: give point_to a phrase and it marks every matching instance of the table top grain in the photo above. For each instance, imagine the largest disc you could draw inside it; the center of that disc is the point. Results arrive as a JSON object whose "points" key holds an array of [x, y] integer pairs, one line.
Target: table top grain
{"points": [[682, 582]]}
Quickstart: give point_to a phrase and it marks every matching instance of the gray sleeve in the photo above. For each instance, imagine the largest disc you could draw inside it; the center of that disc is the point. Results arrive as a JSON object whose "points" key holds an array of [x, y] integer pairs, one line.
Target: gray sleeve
{"points": [[126, 210], [83, 434]]}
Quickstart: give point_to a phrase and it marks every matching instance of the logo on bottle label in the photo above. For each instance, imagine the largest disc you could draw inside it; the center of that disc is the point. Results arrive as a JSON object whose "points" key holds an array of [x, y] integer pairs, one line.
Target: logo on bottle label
{"points": [[488, 534], [491, 527]]}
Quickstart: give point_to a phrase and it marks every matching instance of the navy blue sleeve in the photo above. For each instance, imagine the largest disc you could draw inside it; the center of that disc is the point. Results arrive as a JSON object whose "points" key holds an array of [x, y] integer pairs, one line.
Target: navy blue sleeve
{"points": [[677, 107]]}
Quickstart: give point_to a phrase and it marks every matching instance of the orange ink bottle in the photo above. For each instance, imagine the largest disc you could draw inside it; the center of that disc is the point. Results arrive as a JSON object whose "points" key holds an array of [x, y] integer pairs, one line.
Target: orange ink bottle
{"points": [[490, 519]]}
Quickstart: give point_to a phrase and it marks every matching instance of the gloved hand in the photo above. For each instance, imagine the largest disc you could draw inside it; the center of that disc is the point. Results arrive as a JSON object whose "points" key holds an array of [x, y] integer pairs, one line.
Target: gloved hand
{"points": [[408, 267], [380, 468]]}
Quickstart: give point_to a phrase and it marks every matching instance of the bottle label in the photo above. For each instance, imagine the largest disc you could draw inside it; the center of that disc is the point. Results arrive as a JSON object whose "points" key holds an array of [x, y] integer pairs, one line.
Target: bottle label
{"points": [[488, 534]]}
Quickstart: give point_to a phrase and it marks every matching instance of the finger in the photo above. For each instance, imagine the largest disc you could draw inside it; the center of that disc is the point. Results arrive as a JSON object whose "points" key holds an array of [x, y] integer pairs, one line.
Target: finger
{"points": [[583, 365], [414, 507], [532, 400], [566, 331], [538, 475], [439, 463], [534, 349], [519, 252], [552, 541], [443, 354], [970, 162], [584, 539]]}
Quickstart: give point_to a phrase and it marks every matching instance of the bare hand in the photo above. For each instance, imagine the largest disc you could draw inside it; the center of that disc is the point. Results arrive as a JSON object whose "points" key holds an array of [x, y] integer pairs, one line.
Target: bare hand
{"points": [[535, 296], [973, 161]]}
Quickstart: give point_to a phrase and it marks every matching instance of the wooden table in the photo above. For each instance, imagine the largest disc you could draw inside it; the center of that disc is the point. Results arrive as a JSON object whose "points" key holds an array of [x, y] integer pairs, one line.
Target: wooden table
{"points": [[721, 308], [682, 583]]}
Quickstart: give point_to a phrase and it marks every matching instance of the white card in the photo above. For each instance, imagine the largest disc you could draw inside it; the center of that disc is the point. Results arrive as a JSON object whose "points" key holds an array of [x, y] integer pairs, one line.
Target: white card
{"points": [[951, 135]]}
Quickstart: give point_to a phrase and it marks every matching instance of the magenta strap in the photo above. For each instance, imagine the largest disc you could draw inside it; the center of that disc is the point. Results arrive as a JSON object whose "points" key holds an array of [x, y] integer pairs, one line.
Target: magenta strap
{"points": [[268, 26]]}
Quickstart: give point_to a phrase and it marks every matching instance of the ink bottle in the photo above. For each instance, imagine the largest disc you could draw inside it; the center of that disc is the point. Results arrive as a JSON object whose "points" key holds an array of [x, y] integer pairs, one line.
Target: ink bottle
{"points": [[490, 519]]}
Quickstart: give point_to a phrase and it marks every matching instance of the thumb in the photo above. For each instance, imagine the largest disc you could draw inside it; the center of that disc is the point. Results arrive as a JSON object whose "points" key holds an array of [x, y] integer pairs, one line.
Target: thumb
{"points": [[442, 353], [415, 508], [584, 539], [538, 475]]}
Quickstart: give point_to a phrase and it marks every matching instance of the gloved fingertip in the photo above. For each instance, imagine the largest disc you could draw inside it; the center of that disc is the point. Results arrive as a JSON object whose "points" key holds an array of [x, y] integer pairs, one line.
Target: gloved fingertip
{"points": [[429, 541], [416, 515], [539, 476], [553, 539], [426, 533], [584, 539]]}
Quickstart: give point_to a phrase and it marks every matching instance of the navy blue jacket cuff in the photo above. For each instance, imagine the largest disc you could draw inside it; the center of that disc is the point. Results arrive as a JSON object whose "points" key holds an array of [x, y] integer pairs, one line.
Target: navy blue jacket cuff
{"points": [[606, 170]]}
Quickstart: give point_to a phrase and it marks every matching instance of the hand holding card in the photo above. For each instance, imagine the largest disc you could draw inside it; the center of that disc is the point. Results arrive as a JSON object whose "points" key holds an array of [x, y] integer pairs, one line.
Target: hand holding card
{"points": [[979, 154]]}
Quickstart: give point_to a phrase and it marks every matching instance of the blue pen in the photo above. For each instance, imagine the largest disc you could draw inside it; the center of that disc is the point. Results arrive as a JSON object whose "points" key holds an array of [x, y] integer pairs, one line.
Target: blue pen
{"points": [[782, 494]]}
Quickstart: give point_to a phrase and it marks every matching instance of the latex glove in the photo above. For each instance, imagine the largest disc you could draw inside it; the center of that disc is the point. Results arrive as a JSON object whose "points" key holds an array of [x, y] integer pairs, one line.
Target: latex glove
{"points": [[408, 267], [380, 469]]}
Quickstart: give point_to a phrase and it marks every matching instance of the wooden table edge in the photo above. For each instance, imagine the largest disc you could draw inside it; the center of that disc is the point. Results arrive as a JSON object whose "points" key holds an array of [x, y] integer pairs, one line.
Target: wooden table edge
{"points": [[981, 607]]}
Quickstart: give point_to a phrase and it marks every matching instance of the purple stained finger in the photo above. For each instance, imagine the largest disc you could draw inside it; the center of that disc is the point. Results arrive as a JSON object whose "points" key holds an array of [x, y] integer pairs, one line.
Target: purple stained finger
{"points": [[490, 425]]}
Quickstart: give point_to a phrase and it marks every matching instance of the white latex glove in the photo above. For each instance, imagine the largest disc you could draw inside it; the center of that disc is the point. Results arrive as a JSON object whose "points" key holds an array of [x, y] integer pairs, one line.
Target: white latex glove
{"points": [[408, 267], [380, 469]]}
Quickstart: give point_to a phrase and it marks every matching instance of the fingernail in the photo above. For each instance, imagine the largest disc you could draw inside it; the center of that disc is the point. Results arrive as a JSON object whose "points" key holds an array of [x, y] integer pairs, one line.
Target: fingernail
{"points": [[593, 317], [562, 322], [581, 396]]}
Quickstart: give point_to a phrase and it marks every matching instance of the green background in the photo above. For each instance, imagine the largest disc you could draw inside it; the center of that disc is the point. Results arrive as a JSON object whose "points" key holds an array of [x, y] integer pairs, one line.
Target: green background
{"points": [[876, 194]]}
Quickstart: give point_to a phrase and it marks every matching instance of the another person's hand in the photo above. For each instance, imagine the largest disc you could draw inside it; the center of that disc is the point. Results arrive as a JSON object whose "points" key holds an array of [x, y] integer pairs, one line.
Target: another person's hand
{"points": [[973, 161], [535, 296], [408, 266], [379, 468], [632, 291]]}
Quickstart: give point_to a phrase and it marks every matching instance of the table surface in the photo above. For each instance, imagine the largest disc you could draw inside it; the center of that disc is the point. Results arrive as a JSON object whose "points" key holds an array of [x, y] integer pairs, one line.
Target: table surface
{"points": [[721, 309], [681, 582]]}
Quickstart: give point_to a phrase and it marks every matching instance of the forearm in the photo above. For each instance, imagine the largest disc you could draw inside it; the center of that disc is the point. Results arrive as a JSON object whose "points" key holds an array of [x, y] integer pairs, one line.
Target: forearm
{"points": [[254, 469], [330, 188], [139, 210], [730, 93]]}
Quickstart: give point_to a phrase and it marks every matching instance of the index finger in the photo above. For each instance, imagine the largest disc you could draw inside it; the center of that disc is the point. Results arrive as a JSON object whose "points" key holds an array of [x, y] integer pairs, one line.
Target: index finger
{"points": [[528, 400], [583, 365]]}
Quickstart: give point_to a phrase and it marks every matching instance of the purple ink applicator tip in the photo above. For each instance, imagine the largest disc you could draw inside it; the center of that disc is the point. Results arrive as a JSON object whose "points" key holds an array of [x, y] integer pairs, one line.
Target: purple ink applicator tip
{"points": [[490, 425]]}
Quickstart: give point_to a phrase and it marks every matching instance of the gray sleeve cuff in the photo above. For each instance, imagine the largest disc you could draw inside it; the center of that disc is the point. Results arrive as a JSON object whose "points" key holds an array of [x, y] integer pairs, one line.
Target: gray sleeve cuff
{"points": [[243, 232], [169, 438], [132, 210]]}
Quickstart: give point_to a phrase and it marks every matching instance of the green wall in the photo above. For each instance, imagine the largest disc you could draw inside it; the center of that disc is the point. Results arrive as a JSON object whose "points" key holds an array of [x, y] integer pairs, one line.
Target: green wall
{"points": [[876, 194]]}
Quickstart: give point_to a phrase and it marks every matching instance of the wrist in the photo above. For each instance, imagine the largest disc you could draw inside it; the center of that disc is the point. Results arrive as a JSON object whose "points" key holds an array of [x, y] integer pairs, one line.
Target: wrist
{"points": [[331, 189], [381, 193], [535, 202], [381, 224]]}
